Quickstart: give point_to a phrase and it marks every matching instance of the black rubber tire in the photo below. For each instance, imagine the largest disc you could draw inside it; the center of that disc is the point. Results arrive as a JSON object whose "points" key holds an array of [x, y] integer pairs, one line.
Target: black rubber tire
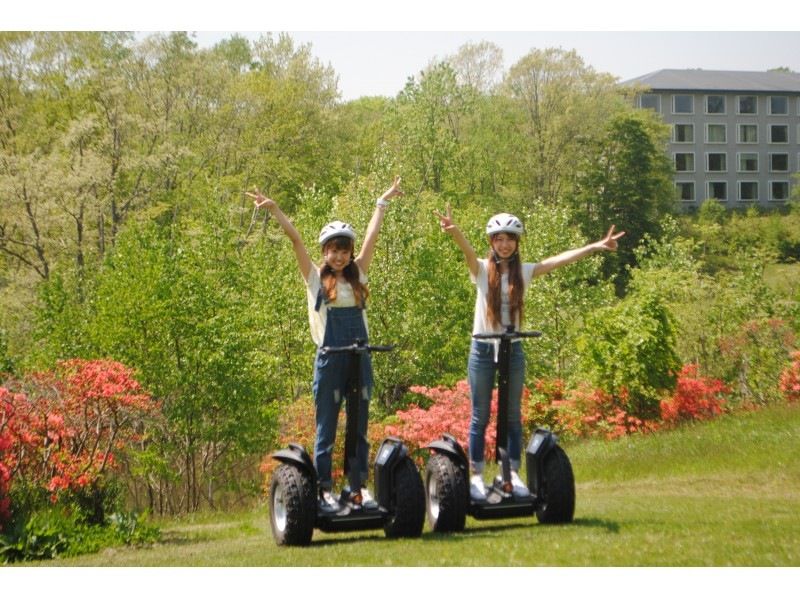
{"points": [[294, 489], [558, 492], [408, 518], [447, 510]]}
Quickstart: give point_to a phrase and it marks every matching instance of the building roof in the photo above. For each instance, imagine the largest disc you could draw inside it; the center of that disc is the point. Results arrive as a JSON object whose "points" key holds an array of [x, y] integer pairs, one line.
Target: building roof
{"points": [[702, 80]]}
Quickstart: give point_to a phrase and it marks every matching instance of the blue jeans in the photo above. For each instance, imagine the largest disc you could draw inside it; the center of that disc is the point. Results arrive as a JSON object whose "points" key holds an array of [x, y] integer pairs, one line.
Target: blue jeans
{"points": [[343, 326], [482, 371]]}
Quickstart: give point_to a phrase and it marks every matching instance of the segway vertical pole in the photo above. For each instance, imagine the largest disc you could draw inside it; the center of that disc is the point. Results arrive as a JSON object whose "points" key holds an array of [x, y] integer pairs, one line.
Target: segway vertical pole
{"points": [[504, 367], [352, 413]]}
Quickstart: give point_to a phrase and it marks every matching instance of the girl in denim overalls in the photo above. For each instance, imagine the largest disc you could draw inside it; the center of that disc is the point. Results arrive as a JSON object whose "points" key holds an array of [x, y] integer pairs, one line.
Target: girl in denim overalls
{"points": [[501, 280], [336, 296]]}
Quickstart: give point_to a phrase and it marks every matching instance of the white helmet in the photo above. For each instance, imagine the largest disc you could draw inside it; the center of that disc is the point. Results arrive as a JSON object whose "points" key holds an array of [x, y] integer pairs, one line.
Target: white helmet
{"points": [[337, 228], [504, 223]]}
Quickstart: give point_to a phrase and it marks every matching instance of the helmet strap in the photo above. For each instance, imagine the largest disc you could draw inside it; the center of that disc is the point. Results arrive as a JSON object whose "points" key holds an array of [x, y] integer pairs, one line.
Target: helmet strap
{"points": [[509, 260]]}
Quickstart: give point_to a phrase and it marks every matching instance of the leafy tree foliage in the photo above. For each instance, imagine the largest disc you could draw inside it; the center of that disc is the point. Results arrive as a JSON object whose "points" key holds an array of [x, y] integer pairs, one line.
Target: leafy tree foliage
{"points": [[562, 104], [627, 180]]}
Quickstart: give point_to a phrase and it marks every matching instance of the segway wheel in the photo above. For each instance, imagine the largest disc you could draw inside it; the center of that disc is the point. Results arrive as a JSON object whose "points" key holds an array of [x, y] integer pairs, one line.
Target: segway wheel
{"points": [[409, 503], [293, 506], [558, 493], [446, 487]]}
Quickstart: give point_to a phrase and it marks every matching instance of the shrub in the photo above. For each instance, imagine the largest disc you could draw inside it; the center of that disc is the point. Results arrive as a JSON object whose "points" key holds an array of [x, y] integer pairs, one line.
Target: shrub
{"points": [[56, 531], [695, 397], [450, 412], [61, 435], [631, 346], [68, 426], [546, 398], [755, 356], [790, 380], [585, 412]]}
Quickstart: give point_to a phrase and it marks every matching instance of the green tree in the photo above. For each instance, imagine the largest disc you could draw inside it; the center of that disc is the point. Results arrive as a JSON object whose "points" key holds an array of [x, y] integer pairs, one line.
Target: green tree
{"points": [[179, 305], [563, 103], [477, 65], [428, 122], [626, 181]]}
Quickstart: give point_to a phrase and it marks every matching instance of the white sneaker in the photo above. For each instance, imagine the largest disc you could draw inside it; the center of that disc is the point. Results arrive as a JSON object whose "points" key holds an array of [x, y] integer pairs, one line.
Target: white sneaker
{"points": [[367, 501], [518, 487], [477, 489], [328, 502]]}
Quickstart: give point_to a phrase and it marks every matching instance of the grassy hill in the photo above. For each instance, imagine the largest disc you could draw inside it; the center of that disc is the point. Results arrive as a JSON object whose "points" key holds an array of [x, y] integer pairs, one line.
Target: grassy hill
{"points": [[720, 493]]}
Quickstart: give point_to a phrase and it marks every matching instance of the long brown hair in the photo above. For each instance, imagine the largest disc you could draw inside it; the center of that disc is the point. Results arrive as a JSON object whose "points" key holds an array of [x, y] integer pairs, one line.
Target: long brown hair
{"points": [[350, 273], [516, 289]]}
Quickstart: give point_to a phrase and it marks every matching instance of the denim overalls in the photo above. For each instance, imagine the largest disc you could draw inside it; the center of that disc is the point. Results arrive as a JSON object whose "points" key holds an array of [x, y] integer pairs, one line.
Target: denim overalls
{"points": [[344, 325], [482, 369]]}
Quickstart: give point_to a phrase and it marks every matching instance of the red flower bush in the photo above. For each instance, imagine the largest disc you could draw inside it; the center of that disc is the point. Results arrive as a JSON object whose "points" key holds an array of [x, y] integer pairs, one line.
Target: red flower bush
{"points": [[695, 397], [584, 412], [790, 380], [6, 444], [450, 412], [62, 430]]}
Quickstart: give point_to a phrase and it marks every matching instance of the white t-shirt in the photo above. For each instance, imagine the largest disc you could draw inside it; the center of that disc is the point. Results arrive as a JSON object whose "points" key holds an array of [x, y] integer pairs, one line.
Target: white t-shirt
{"points": [[480, 323], [344, 298]]}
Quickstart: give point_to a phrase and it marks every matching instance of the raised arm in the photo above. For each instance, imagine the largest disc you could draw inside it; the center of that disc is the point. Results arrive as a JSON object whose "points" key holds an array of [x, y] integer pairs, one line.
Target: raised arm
{"points": [[300, 251], [448, 226], [608, 243], [364, 257]]}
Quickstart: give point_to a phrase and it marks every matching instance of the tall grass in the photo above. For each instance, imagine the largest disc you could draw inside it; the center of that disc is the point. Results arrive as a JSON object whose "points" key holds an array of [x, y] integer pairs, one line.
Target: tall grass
{"points": [[720, 493]]}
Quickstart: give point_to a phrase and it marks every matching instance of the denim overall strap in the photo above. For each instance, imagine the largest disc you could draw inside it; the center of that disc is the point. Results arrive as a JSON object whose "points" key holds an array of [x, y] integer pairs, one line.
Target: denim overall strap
{"points": [[320, 299]]}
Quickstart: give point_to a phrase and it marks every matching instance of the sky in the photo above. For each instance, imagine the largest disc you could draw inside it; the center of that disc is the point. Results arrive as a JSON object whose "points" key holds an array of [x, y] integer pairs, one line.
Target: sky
{"points": [[379, 63]]}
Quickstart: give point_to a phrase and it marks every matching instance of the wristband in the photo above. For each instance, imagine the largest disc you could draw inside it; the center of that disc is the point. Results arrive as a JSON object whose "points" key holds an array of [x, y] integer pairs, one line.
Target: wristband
{"points": [[381, 203]]}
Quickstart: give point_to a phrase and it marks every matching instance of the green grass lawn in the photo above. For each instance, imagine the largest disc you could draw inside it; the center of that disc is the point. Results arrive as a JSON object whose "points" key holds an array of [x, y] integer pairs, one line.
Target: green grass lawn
{"points": [[721, 493]]}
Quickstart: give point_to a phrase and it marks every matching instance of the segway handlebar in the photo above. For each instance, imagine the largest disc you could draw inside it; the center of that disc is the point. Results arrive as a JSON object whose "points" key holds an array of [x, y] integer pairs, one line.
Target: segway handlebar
{"points": [[508, 334], [357, 347]]}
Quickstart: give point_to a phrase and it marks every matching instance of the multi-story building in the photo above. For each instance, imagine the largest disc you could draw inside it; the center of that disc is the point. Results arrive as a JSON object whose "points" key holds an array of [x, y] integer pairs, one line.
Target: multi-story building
{"points": [[735, 134]]}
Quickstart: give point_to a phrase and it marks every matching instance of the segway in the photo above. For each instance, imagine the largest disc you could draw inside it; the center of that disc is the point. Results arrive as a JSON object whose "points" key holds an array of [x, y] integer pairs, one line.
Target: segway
{"points": [[550, 479], [399, 492]]}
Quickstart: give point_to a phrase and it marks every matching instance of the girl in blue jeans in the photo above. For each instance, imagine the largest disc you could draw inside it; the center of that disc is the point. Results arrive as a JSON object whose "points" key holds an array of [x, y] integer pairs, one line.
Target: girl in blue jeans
{"points": [[336, 293], [501, 280]]}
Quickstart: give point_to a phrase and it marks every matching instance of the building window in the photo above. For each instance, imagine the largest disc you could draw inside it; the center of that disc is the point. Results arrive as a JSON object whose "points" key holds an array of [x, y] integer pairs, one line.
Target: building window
{"points": [[650, 101], [716, 133], [779, 162], [779, 190], [748, 105], [685, 191], [682, 104], [748, 162], [684, 162], [779, 133], [748, 133], [778, 105], [716, 162], [715, 104], [683, 134], [718, 190], [748, 190]]}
